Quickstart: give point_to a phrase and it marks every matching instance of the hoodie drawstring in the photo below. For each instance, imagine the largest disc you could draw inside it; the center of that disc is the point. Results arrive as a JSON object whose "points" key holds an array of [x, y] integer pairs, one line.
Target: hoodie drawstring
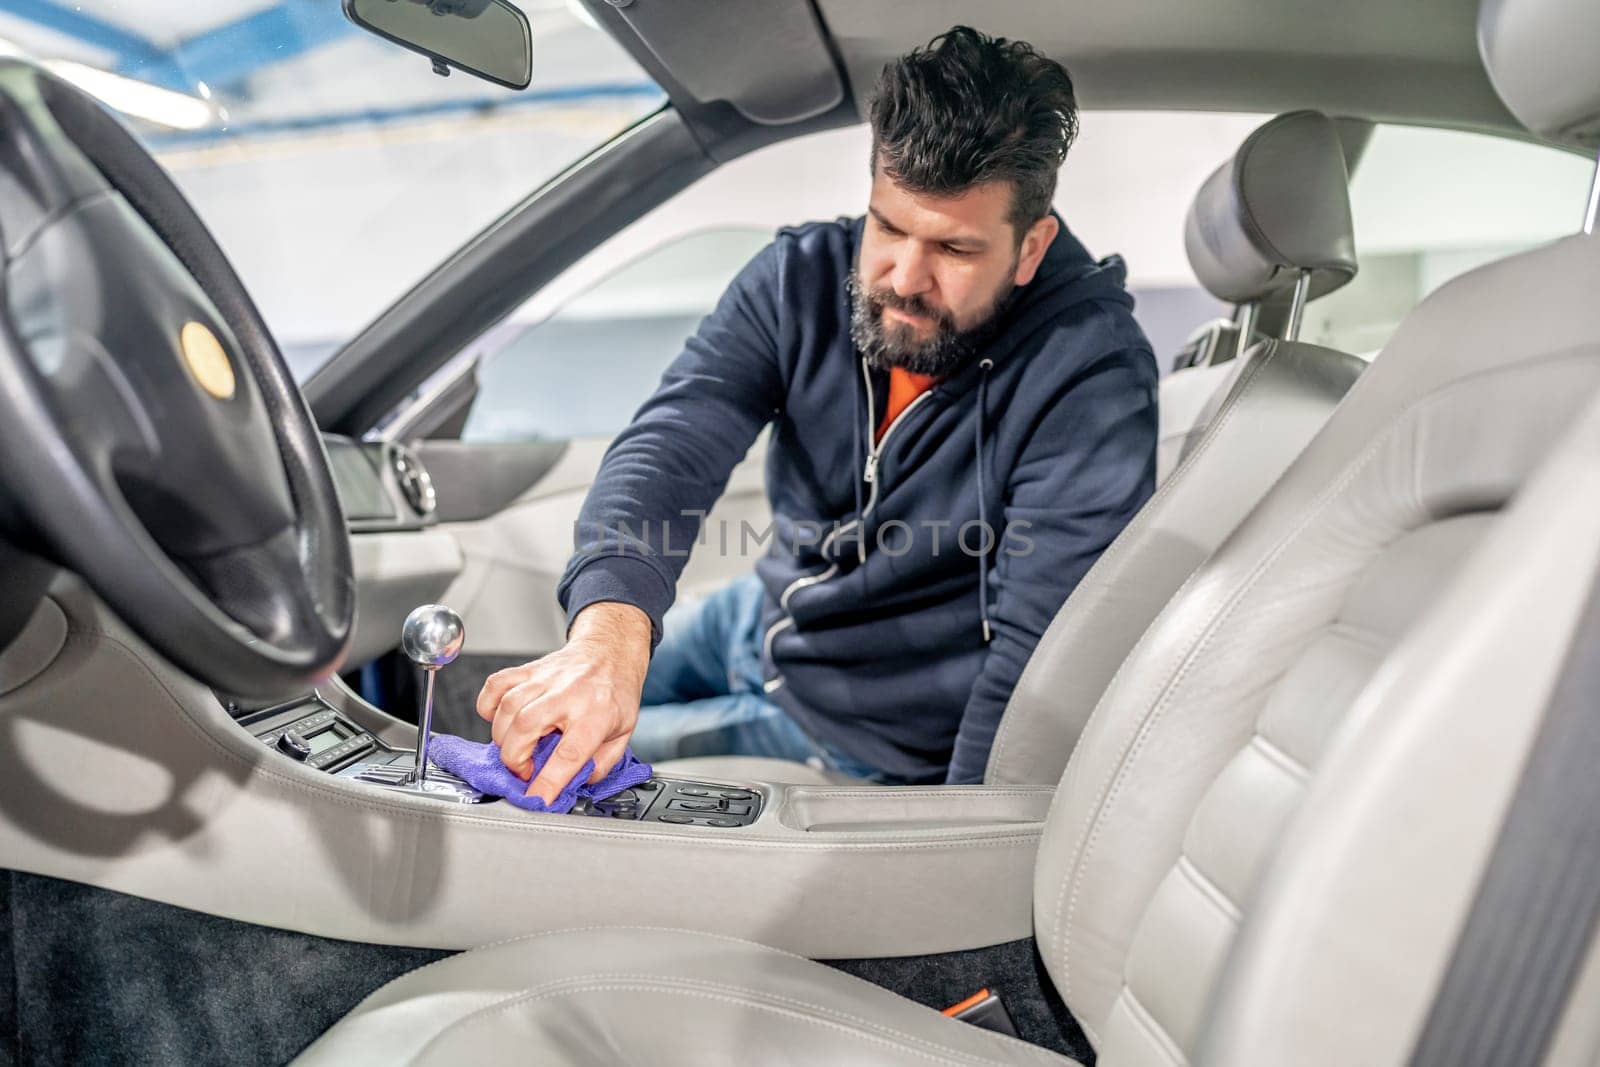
{"points": [[866, 420], [986, 366]]}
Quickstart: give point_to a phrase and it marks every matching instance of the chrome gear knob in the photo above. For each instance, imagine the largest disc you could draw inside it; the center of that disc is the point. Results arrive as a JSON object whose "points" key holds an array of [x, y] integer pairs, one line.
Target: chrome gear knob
{"points": [[432, 636]]}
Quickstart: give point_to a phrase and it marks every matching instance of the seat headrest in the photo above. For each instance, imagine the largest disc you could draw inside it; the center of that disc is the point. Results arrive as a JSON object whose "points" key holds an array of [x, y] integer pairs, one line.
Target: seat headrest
{"points": [[1542, 58], [1279, 206]]}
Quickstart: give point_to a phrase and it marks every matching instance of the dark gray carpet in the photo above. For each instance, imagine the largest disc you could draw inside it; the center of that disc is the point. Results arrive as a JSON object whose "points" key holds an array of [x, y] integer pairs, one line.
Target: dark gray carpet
{"points": [[1013, 971], [89, 977]]}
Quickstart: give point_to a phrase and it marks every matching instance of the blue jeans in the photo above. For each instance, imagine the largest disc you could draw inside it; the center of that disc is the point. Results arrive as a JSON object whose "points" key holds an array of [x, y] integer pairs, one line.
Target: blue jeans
{"points": [[703, 694]]}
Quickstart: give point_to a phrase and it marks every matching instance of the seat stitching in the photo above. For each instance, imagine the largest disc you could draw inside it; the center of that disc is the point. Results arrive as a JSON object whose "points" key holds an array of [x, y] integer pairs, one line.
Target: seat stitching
{"points": [[1364, 637], [519, 938], [1207, 887], [1147, 1021], [1108, 792], [1111, 558], [1274, 754], [1118, 772], [703, 989]]}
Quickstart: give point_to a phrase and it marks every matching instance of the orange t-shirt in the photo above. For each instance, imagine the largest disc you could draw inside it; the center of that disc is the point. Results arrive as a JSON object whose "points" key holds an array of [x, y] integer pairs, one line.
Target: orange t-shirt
{"points": [[904, 387]]}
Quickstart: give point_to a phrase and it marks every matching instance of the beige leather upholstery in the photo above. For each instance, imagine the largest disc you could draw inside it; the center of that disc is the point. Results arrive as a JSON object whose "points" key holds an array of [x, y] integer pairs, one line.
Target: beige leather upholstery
{"points": [[1189, 399], [1202, 746], [634, 995], [1360, 908]]}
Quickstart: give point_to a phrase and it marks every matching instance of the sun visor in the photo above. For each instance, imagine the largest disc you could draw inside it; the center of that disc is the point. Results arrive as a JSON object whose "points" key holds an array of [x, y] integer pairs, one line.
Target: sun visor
{"points": [[768, 58]]}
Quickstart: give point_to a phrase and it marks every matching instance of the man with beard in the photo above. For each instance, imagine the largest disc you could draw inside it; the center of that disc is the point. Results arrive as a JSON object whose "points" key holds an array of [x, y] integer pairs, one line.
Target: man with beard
{"points": [[963, 417]]}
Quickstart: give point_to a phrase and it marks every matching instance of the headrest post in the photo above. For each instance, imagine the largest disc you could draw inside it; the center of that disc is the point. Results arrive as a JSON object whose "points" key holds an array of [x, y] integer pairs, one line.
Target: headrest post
{"points": [[1593, 213], [1297, 309], [1244, 317]]}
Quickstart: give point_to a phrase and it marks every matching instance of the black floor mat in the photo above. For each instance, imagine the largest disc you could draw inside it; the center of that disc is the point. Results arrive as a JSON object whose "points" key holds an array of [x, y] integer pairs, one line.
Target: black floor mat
{"points": [[88, 976], [1014, 971]]}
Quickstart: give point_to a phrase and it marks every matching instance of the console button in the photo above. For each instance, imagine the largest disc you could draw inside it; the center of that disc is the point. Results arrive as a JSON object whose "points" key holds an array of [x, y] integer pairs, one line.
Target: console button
{"points": [[649, 787], [694, 805], [736, 794], [676, 819], [695, 791], [721, 822]]}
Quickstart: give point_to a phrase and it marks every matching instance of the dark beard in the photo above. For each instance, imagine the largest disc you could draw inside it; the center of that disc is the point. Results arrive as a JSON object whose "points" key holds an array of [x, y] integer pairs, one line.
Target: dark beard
{"points": [[948, 351]]}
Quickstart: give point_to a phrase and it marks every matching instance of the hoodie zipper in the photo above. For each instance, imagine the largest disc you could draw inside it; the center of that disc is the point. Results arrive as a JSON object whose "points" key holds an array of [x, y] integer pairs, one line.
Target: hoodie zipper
{"points": [[869, 474]]}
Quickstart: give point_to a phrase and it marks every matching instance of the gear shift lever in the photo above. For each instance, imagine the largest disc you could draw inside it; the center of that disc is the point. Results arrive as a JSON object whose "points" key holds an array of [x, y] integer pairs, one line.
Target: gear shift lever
{"points": [[431, 638]]}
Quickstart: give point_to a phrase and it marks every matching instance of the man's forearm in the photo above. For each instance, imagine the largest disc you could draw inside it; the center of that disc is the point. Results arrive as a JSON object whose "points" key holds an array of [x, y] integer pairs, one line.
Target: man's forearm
{"points": [[619, 631]]}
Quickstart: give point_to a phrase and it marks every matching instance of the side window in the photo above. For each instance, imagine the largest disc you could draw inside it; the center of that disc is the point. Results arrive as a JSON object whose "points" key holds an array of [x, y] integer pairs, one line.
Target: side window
{"points": [[1430, 204], [583, 370]]}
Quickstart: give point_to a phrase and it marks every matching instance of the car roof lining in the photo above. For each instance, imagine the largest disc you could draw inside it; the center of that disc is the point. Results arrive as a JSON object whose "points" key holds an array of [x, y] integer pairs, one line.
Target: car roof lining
{"points": [[1414, 63], [1410, 62]]}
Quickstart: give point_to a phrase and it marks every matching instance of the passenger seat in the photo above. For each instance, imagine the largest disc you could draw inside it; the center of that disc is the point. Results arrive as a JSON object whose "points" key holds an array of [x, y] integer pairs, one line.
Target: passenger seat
{"points": [[1279, 206], [1275, 216]]}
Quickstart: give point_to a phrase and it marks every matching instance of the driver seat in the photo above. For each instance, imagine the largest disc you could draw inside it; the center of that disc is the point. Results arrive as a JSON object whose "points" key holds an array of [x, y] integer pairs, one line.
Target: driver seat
{"points": [[1254, 857]]}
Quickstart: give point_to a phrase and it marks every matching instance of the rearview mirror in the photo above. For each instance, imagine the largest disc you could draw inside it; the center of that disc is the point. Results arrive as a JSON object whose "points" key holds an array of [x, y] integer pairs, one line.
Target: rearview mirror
{"points": [[488, 38]]}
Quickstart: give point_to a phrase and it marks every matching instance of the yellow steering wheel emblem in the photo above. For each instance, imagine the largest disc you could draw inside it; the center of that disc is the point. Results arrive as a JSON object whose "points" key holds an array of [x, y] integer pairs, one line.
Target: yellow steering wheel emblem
{"points": [[207, 360]]}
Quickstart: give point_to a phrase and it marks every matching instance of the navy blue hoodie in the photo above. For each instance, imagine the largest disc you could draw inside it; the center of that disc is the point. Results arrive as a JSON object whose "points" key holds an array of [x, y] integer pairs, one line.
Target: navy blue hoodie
{"points": [[895, 627]]}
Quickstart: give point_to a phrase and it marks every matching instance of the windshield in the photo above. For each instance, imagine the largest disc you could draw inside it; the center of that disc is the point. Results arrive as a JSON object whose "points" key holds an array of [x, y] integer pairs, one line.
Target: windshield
{"points": [[335, 168]]}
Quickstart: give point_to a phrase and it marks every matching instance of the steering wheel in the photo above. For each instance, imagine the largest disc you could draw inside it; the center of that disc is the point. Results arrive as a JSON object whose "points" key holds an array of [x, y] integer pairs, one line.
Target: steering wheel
{"points": [[151, 437]]}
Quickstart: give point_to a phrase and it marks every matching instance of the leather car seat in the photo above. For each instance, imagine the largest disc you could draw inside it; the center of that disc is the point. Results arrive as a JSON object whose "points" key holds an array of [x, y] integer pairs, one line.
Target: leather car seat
{"points": [[1280, 206], [1257, 692], [1252, 231]]}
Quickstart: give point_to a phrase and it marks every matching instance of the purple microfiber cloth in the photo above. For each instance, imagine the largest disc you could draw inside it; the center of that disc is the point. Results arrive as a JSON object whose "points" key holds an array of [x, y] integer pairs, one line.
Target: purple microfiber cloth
{"points": [[479, 766]]}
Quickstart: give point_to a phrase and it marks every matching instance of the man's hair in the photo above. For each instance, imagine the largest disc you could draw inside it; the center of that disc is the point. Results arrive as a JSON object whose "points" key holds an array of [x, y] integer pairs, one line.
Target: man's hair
{"points": [[970, 108]]}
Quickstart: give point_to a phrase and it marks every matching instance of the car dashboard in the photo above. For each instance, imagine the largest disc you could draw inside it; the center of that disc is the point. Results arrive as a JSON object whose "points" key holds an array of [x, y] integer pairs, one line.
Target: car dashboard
{"points": [[400, 554]]}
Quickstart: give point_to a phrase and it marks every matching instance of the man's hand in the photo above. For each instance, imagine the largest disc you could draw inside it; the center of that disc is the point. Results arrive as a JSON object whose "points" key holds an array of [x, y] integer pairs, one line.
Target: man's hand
{"points": [[588, 689]]}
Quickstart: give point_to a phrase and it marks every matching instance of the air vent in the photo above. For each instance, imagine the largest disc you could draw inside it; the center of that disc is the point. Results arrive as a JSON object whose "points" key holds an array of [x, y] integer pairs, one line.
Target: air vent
{"points": [[413, 480]]}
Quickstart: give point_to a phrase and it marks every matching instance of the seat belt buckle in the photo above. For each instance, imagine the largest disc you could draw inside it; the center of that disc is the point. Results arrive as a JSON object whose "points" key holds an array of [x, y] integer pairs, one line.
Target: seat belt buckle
{"points": [[983, 1009]]}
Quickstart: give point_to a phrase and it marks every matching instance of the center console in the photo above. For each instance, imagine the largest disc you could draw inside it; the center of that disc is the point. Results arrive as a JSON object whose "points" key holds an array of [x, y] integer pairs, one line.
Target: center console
{"points": [[318, 735], [315, 733], [119, 771]]}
